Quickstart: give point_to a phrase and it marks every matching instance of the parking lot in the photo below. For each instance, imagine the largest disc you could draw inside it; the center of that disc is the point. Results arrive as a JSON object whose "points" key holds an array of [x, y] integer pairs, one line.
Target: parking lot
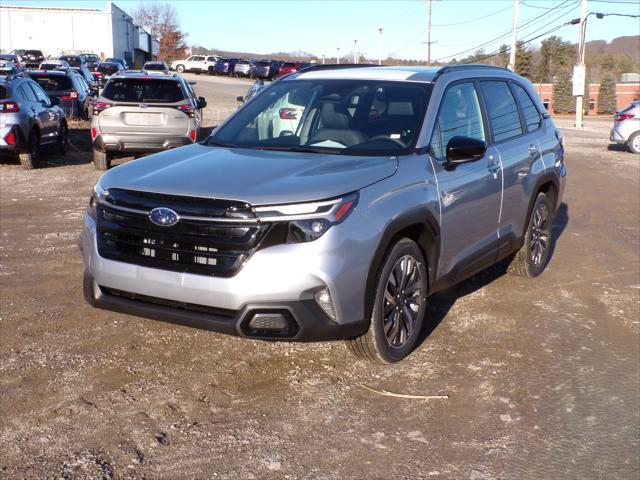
{"points": [[514, 378]]}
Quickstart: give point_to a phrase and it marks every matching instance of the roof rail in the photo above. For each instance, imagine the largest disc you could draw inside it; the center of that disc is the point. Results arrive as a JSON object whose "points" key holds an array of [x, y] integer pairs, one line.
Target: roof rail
{"points": [[10, 76], [336, 66], [466, 66]]}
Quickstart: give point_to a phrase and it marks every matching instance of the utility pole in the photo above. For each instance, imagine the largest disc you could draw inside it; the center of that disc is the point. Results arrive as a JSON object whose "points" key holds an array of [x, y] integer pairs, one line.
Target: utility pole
{"points": [[380, 46], [429, 35], [338, 57], [579, 72], [514, 35], [355, 50], [323, 58]]}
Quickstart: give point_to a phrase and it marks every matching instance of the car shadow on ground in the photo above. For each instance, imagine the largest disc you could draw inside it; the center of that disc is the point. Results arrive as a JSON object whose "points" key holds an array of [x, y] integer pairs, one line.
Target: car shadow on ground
{"points": [[617, 147], [439, 305]]}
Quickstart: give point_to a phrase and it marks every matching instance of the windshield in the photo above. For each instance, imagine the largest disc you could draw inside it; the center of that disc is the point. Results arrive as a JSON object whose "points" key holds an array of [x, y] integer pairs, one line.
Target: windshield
{"points": [[107, 69], [143, 90], [154, 66], [353, 117]]}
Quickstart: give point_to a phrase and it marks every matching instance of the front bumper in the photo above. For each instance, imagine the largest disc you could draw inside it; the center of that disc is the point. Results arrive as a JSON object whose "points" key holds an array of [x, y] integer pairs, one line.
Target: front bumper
{"points": [[139, 143], [282, 278]]}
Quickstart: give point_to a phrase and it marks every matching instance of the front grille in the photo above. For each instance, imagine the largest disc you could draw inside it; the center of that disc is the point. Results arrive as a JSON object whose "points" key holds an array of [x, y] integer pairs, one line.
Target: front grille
{"points": [[205, 245]]}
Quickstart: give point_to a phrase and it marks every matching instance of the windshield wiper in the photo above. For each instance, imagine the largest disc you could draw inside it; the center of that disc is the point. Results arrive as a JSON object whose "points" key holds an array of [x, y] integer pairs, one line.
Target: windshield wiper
{"points": [[299, 148]]}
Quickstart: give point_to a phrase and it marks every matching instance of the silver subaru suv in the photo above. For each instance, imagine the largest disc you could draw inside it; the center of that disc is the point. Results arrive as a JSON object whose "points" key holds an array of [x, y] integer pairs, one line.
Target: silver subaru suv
{"points": [[138, 113], [331, 206]]}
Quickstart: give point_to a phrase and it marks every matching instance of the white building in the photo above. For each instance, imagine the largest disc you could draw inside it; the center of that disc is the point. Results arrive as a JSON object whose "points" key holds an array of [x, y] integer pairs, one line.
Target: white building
{"points": [[55, 31]]}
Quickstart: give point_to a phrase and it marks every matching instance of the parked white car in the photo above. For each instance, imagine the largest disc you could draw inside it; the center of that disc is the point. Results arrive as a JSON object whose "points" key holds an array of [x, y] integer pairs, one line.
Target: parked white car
{"points": [[195, 63]]}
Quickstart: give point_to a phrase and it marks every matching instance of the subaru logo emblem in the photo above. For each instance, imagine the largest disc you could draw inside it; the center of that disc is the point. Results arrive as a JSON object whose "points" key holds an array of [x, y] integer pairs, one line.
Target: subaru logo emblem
{"points": [[165, 217]]}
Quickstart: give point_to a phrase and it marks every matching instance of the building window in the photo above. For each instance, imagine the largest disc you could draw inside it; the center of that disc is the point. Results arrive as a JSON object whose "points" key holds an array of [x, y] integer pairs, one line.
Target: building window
{"points": [[546, 104], [592, 104]]}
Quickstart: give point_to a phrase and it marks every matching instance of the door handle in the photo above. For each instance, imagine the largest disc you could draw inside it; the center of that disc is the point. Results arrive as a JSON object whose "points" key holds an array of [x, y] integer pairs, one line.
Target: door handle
{"points": [[532, 150], [493, 166]]}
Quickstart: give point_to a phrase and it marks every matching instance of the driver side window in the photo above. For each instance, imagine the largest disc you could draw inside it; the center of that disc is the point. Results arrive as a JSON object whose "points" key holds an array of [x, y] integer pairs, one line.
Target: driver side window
{"points": [[459, 115]]}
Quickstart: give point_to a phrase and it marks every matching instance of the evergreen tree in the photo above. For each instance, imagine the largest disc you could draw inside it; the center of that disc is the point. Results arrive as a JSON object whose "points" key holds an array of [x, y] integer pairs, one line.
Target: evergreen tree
{"points": [[607, 94], [503, 56], [524, 61], [554, 56], [562, 89]]}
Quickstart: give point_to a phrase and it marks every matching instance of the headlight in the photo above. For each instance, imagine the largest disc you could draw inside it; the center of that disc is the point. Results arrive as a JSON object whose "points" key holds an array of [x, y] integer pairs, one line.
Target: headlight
{"points": [[309, 221], [97, 194]]}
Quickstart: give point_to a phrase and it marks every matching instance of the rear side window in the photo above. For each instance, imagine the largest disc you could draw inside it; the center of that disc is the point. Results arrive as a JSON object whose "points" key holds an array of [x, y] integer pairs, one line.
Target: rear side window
{"points": [[3, 93], [502, 110], [145, 89], [529, 110], [52, 83], [27, 93], [459, 116]]}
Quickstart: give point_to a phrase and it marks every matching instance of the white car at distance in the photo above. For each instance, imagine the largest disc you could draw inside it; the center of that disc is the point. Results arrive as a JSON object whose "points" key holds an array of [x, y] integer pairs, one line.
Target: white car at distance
{"points": [[195, 63]]}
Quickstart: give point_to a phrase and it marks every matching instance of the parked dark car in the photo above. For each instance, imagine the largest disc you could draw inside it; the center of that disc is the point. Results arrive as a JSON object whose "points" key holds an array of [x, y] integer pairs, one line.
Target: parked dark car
{"points": [[104, 70], [121, 61], [92, 60], [31, 58], [29, 120], [265, 69], [13, 58], [84, 72], [224, 66], [73, 60], [69, 87]]}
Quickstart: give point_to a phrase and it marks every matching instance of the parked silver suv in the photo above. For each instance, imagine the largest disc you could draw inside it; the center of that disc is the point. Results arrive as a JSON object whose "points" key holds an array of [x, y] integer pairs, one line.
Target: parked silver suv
{"points": [[331, 206], [626, 127], [138, 112]]}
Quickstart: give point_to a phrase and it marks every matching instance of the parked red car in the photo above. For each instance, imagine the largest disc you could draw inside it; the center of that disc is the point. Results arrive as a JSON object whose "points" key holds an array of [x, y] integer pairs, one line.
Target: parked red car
{"points": [[288, 67]]}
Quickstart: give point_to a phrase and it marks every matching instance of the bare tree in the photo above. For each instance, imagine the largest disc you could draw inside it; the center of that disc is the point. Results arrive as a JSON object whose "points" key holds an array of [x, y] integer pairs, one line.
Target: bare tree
{"points": [[161, 19]]}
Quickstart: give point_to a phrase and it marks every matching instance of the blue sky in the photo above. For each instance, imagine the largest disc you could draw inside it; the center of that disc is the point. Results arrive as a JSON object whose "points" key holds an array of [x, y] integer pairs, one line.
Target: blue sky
{"points": [[320, 27]]}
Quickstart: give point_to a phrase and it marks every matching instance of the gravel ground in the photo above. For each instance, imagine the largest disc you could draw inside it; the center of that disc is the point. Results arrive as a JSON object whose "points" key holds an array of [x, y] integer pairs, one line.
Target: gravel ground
{"points": [[541, 375]]}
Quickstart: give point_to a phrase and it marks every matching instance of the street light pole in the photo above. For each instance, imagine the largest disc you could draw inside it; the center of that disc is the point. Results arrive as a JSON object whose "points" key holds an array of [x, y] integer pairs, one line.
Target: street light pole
{"points": [[580, 70], [380, 46], [514, 35], [355, 50], [338, 58]]}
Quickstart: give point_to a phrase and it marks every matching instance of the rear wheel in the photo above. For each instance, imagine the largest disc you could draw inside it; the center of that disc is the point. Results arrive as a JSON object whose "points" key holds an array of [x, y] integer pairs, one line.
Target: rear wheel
{"points": [[534, 255], [634, 143], [101, 160], [63, 139], [399, 306], [29, 159]]}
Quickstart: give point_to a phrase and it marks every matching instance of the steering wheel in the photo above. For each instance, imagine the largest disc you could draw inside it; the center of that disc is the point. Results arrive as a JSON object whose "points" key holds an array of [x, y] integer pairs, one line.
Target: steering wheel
{"points": [[388, 139]]}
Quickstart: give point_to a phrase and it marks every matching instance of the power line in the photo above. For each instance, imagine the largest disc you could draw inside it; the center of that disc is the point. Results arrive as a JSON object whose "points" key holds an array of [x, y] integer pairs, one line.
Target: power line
{"points": [[473, 19], [526, 24]]}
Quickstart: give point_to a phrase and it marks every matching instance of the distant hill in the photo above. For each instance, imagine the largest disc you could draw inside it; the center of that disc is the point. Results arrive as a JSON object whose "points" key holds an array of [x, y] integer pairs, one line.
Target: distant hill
{"points": [[629, 45]]}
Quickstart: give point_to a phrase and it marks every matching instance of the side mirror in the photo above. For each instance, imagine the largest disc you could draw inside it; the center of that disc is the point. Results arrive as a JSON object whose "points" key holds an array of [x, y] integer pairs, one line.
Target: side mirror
{"points": [[202, 102], [465, 149], [240, 99]]}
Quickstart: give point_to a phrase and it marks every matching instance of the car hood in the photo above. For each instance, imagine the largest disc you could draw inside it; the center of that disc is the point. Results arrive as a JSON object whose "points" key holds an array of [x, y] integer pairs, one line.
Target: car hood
{"points": [[257, 177]]}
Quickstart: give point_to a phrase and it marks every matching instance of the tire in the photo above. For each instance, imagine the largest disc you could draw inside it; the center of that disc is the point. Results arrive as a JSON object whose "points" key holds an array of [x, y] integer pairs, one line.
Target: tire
{"points": [[391, 338], [63, 139], [634, 143], [29, 159], [101, 160], [180, 69], [533, 257]]}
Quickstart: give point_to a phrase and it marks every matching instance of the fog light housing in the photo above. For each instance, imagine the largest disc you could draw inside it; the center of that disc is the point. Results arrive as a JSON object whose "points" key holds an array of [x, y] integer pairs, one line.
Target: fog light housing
{"points": [[324, 300]]}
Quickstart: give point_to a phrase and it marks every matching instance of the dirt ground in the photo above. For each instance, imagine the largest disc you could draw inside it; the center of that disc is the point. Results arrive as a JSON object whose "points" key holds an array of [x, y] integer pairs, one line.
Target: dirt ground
{"points": [[542, 376]]}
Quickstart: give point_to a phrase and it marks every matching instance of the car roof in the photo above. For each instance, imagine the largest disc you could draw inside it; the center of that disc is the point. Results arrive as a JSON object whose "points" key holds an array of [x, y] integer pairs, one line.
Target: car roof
{"points": [[64, 71], [141, 74], [374, 72]]}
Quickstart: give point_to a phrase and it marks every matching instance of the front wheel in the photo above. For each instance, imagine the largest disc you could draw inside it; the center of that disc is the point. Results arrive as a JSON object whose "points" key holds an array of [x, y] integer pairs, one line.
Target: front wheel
{"points": [[533, 256], [398, 307], [180, 69], [634, 143], [63, 139]]}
